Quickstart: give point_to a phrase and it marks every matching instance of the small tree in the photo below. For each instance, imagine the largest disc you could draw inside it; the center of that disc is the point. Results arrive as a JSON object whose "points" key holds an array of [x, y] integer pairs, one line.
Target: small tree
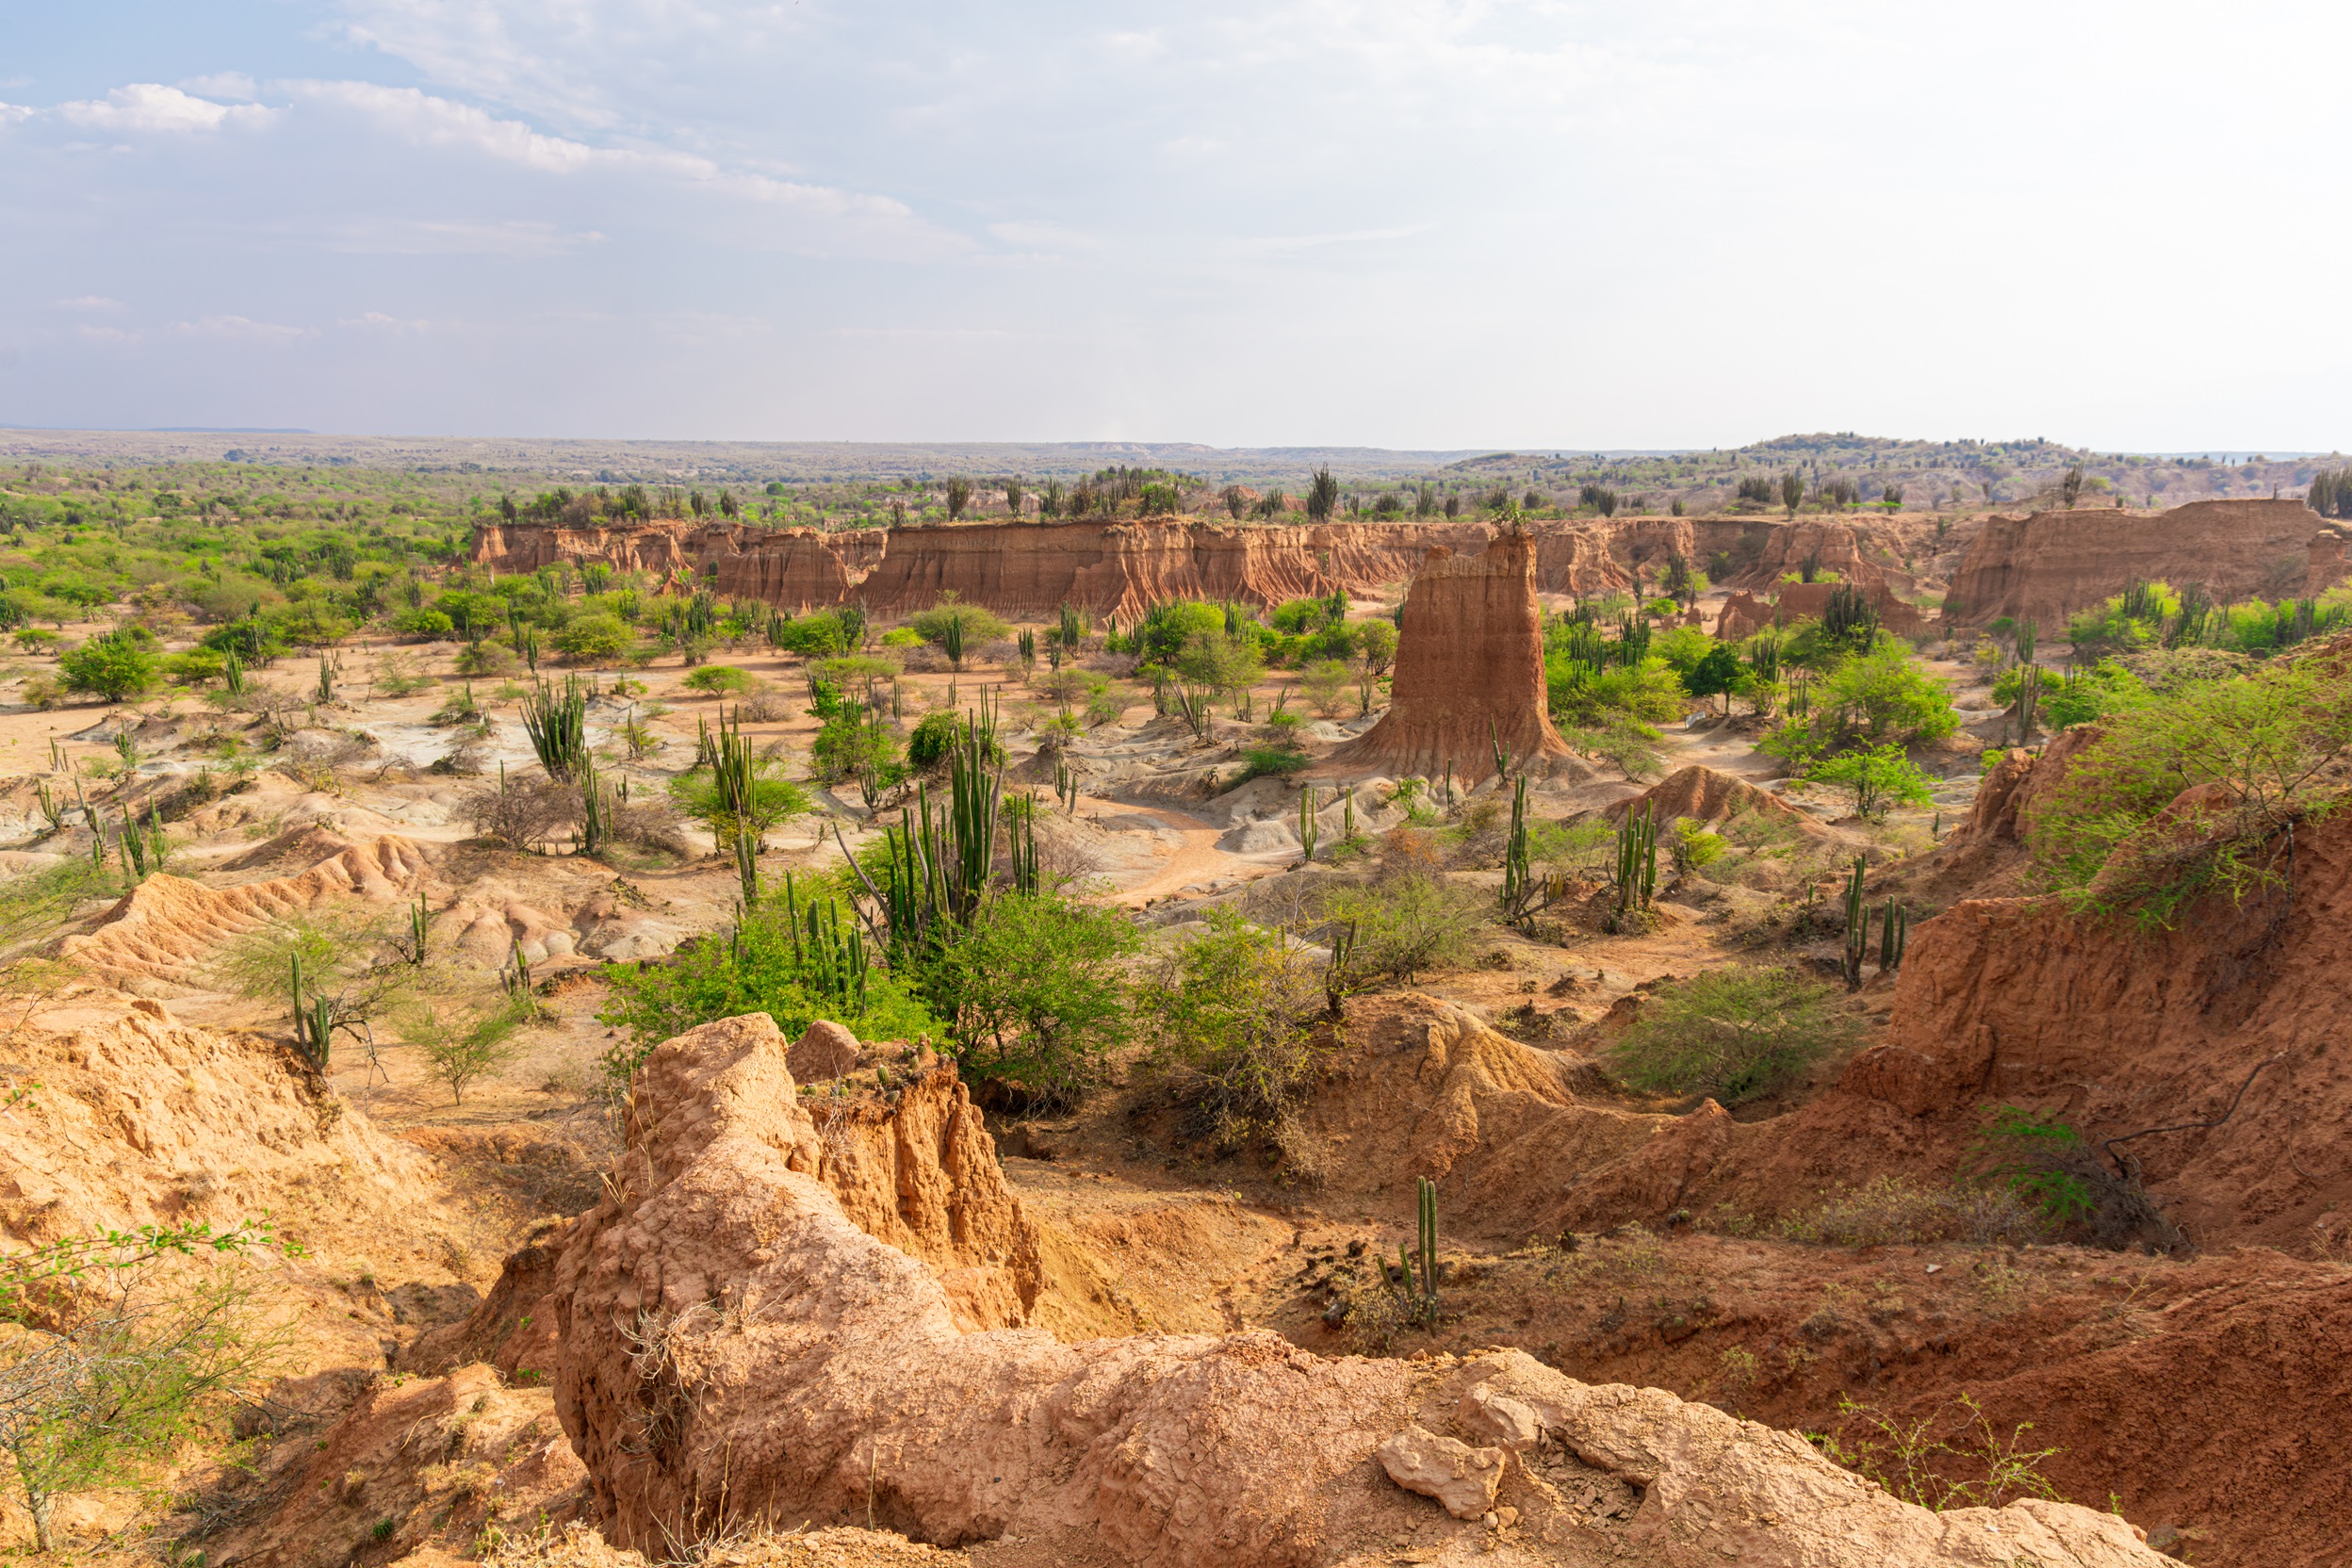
{"points": [[2070, 487], [1880, 780], [1716, 675], [123, 1367], [958, 496], [115, 665], [1326, 684], [1792, 490], [462, 1047]]}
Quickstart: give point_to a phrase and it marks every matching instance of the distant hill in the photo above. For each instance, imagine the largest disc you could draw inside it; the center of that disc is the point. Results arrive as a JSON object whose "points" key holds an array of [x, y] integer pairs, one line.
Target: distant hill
{"points": [[1932, 474], [1958, 474]]}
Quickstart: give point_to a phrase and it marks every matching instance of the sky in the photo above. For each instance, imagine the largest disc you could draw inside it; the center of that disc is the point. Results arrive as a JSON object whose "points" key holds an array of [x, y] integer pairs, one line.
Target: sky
{"points": [[1408, 223]]}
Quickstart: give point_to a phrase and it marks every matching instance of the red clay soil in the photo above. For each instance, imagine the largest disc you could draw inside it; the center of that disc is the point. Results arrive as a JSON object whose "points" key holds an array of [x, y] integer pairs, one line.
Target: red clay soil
{"points": [[2199, 1395], [2018, 1001], [2047, 564], [1469, 671]]}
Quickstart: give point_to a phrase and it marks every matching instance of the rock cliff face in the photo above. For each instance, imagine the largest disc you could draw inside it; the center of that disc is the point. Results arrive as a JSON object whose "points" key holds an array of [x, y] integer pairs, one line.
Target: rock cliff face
{"points": [[2049, 564], [1030, 570], [739, 1352], [1469, 671], [1120, 569]]}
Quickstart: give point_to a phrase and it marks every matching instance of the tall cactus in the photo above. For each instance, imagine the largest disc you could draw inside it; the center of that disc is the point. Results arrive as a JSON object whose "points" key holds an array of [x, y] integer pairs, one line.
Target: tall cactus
{"points": [[1309, 829], [557, 723], [326, 681], [1419, 1258], [1858, 946], [1894, 934], [1518, 863], [1637, 859]]}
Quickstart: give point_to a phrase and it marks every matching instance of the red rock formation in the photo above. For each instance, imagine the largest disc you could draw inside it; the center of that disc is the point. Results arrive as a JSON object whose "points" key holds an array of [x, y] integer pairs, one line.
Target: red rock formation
{"points": [[2049, 564], [1113, 569], [1744, 614], [1469, 669], [1122, 568], [739, 1354]]}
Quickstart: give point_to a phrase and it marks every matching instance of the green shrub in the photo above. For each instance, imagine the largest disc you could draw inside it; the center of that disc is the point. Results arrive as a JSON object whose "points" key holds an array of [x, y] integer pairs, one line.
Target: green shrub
{"points": [[2270, 746], [1879, 779], [1585, 699], [774, 800], [1874, 700], [1732, 1034], [1036, 994], [425, 626], [1227, 1013], [594, 637], [721, 680], [981, 627], [759, 967], [932, 740], [1277, 760], [115, 665], [1407, 923]]}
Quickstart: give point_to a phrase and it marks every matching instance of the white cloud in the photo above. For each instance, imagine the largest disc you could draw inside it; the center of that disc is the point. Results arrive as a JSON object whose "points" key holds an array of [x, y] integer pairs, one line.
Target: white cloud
{"points": [[94, 302], [234, 85], [518, 237], [12, 113], [430, 122], [243, 328], [104, 334], [151, 107], [378, 320]]}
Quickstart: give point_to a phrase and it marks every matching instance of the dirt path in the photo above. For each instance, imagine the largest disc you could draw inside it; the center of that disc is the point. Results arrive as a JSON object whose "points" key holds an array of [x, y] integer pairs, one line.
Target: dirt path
{"points": [[1196, 859]]}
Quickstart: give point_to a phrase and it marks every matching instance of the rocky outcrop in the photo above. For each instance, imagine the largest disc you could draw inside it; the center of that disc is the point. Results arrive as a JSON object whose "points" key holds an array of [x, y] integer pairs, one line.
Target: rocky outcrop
{"points": [[740, 1354], [1469, 671], [1114, 570], [2046, 565], [1744, 614], [1029, 570], [1706, 794]]}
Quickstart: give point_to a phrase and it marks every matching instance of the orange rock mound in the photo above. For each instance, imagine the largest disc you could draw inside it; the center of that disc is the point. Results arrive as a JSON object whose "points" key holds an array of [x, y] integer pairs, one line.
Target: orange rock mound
{"points": [[738, 1352]]}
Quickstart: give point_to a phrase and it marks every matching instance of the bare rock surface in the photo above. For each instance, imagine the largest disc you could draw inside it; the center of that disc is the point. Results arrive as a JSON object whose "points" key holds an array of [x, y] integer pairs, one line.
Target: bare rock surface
{"points": [[739, 1351]]}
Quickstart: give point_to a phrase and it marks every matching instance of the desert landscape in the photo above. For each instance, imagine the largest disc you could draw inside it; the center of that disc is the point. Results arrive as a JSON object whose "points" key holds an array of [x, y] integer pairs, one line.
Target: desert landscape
{"points": [[1390, 1011]]}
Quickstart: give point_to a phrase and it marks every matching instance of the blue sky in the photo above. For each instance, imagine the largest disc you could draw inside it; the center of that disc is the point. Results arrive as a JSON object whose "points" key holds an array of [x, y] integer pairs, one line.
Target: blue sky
{"points": [[1400, 223]]}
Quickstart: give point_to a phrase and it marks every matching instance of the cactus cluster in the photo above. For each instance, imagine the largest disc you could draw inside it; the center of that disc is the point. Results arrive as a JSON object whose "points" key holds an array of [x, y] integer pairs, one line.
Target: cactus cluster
{"points": [[1420, 1287], [557, 723], [1894, 931], [1309, 829], [1636, 875]]}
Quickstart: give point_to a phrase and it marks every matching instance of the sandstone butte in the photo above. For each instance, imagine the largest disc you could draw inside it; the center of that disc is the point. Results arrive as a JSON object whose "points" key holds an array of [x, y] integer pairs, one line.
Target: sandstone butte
{"points": [[2049, 564], [1122, 568], [739, 1351], [1469, 671]]}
